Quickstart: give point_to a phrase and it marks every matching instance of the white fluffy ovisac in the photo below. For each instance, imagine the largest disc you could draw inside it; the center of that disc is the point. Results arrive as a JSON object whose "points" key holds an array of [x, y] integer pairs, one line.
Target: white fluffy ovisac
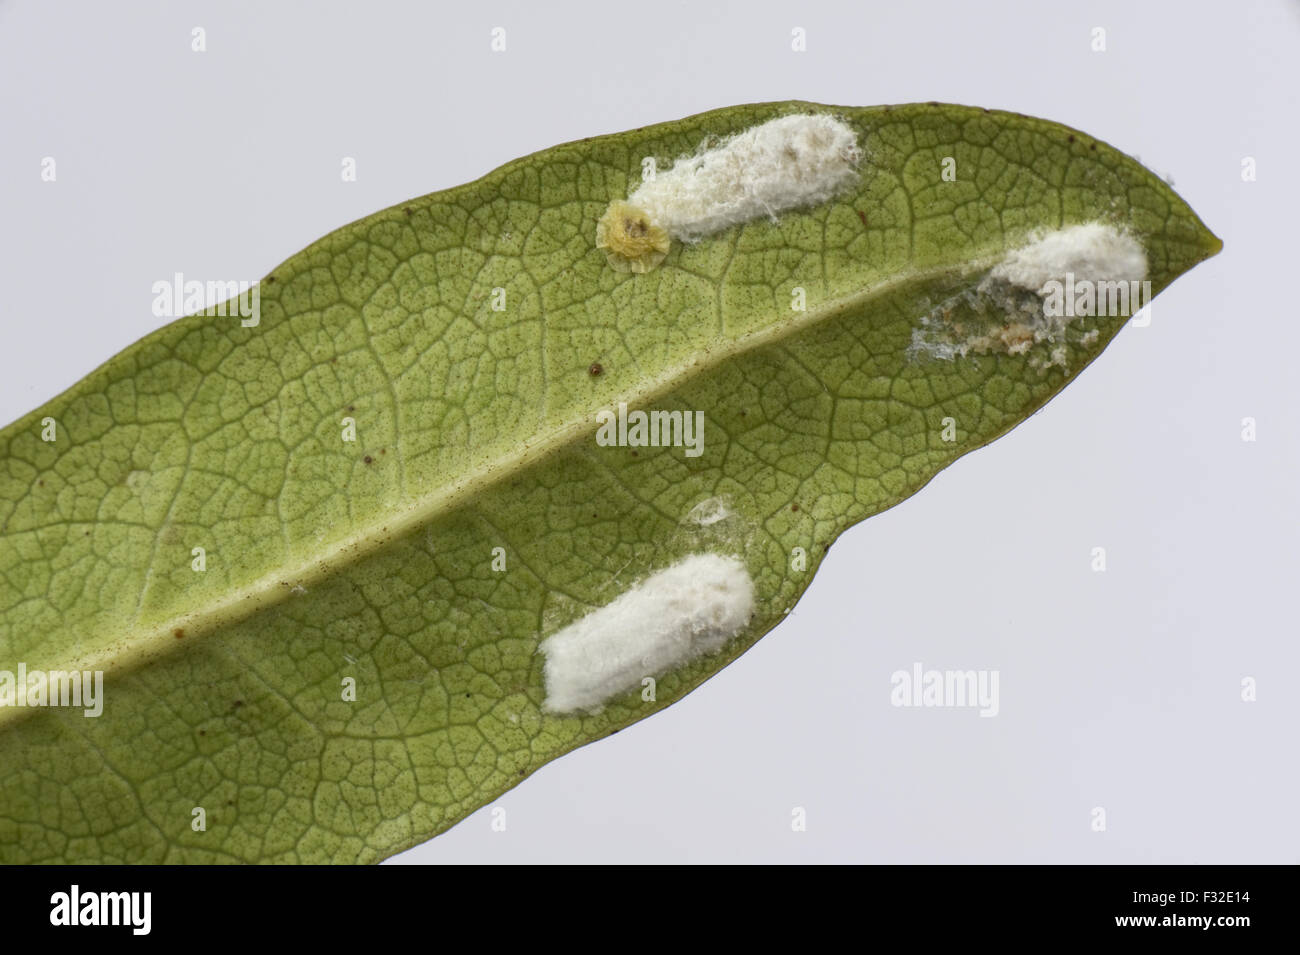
{"points": [[678, 614], [1094, 251], [786, 163]]}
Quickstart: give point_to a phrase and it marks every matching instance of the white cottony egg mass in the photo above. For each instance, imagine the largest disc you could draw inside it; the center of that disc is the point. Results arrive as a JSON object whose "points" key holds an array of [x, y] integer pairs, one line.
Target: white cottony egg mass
{"points": [[1040, 296], [786, 163], [1093, 251], [671, 617]]}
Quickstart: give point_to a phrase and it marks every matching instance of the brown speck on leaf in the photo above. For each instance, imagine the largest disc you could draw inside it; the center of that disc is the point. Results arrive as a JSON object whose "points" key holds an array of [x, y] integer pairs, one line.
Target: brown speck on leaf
{"points": [[203, 732], [352, 407], [407, 210], [863, 216], [634, 454], [595, 369], [1092, 146], [270, 279], [367, 459], [794, 507], [1070, 138], [178, 633], [383, 450], [237, 704], [40, 484]]}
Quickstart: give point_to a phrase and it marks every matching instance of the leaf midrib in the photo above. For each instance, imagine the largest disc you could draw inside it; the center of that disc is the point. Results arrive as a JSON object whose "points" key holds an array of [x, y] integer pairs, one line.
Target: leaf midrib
{"points": [[129, 650]]}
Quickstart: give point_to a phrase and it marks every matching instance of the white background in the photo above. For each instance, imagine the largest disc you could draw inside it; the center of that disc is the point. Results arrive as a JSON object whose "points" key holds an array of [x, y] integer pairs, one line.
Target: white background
{"points": [[1119, 690]]}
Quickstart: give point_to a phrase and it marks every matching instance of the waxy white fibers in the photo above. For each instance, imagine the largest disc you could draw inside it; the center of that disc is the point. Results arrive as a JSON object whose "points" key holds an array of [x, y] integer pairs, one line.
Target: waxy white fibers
{"points": [[1035, 300], [678, 614], [1093, 251], [779, 165]]}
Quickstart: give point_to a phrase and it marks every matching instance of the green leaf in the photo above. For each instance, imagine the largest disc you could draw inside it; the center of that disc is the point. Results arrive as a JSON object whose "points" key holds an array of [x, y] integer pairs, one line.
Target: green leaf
{"points": [[373, 560]]}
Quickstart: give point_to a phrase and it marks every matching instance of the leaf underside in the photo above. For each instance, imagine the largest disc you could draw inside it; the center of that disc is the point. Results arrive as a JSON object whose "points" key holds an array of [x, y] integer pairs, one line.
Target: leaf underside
{"points": [[373, 559]]}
